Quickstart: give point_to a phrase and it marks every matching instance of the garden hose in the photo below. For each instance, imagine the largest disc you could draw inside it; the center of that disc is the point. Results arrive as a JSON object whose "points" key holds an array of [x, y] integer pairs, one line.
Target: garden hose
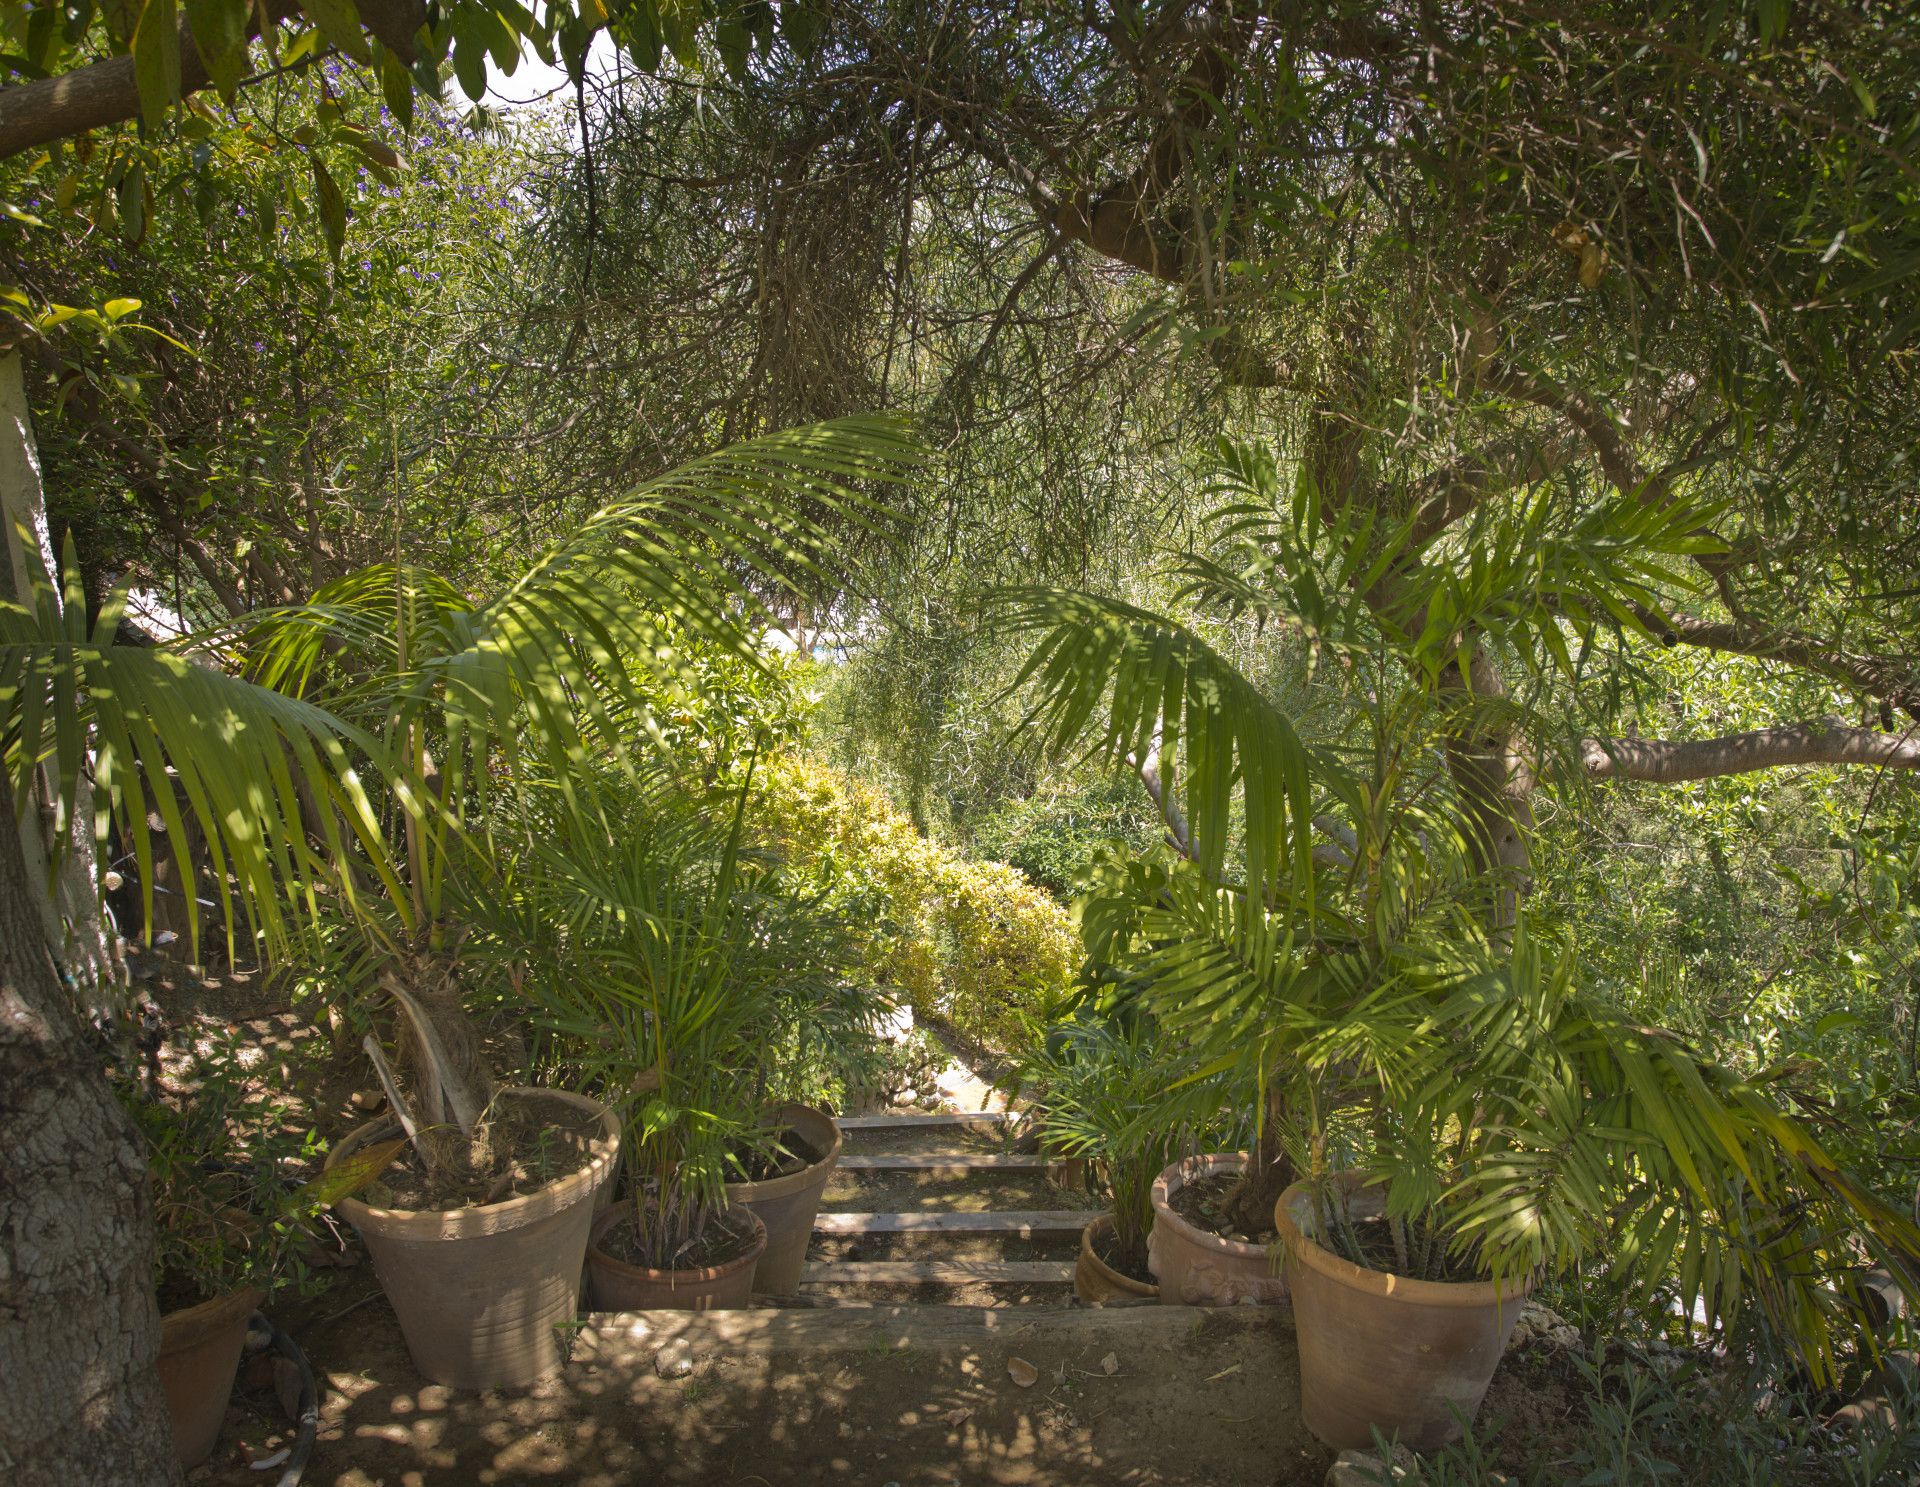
{"points": [[261, 1335]]}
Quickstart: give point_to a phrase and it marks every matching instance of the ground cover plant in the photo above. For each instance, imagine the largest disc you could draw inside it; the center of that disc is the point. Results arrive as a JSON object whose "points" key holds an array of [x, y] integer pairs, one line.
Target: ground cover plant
{"points": [[1349, 574]]}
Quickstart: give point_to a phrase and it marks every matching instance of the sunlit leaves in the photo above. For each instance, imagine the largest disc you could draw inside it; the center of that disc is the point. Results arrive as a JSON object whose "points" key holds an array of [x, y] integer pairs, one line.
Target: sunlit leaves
{"points": [[175, 747]]}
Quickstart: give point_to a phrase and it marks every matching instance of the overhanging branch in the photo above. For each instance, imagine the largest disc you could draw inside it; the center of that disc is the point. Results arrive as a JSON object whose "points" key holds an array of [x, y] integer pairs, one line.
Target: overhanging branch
{"points": [[1828, 741], [102, 93]]}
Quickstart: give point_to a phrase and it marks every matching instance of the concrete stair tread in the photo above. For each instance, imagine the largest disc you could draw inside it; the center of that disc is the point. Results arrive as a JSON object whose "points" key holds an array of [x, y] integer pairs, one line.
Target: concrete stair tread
{"points": [[1024, 1223], [924, 1122], [938, 1272], [956, 1162]]}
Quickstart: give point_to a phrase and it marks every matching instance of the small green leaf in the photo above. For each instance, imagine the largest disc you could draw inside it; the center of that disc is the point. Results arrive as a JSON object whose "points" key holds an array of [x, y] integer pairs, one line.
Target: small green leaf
{"points": [[470, 54], [396, 86], [339, 22], [118, 309], [156, 62], [333, 207], [348, 1175], [219, 29]]}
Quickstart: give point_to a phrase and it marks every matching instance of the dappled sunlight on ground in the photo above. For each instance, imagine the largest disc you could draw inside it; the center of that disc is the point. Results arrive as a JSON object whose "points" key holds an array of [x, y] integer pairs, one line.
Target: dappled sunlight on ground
{"points": [[878, 1397]]}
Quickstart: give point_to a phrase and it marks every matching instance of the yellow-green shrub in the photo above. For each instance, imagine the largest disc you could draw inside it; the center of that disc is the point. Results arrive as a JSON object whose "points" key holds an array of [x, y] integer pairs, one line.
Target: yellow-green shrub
{"points": [[973, 942]]}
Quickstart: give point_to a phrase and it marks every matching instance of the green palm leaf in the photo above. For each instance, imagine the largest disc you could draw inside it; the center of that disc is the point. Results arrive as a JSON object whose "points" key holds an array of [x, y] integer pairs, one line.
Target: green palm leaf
{"points": [[1136, 686], [172, 744]]}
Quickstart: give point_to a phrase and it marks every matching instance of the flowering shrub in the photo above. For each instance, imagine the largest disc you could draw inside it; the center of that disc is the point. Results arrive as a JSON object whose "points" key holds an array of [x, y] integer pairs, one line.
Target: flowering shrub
{"points": [[973, 942]]}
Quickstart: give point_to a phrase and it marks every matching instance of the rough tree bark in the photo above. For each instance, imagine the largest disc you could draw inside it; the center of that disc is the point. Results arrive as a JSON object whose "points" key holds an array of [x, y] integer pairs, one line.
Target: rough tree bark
{"points": [[80, 1403]]}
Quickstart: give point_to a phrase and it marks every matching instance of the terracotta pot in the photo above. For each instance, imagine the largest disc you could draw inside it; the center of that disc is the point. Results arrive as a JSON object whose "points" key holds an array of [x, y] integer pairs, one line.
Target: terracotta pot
{"points": [[199, 1356], [1381, 1351], [481, 1292], [787, 1205], [1095, 1281], [1196, 1267], [616, 1285]]}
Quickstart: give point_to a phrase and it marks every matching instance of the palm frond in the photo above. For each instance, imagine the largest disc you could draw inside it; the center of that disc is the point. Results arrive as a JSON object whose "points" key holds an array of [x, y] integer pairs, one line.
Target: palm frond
{"points": [[172, 744], [1135, 687]]}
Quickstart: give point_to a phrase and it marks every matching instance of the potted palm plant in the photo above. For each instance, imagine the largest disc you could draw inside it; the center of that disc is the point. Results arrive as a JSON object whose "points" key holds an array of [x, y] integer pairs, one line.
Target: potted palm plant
{"points": [[1336, 914], [1090, 1081], [672, 972], [491, 709]]}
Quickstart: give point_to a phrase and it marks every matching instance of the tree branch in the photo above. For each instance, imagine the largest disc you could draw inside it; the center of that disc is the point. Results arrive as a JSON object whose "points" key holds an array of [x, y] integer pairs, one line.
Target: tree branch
{"points": [[1828, 741], [105, 92], [1894, 680]]}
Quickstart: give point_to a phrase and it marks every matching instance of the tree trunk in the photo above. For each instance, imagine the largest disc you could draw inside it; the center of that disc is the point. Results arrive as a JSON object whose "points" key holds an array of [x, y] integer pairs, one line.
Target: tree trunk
{"points": [[80, 1402]]}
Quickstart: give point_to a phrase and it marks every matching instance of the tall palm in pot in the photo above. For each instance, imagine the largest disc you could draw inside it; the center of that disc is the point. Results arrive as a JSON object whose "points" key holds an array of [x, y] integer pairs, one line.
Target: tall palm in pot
{"points": [[1331, 917]]}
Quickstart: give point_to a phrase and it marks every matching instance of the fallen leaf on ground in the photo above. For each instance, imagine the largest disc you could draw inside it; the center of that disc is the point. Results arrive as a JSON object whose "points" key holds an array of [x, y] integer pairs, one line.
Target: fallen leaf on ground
{"points": [[958, 1417], [1223, 1373], [1110, 1365], [1022, 1372]]}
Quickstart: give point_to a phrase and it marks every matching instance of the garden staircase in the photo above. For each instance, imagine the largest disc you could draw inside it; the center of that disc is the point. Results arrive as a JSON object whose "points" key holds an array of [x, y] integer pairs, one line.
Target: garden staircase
{"points": [[938, 1208]]}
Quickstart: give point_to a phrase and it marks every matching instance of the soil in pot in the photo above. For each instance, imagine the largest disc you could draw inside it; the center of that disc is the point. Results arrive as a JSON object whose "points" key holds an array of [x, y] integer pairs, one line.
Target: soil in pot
{"points": [[1193, 1263], [531, 1141], [1409, 1358], [482, 1285], [792, 1153], [784, 1189], [1101, 1276], [713, 1271], [1204, 1201]]}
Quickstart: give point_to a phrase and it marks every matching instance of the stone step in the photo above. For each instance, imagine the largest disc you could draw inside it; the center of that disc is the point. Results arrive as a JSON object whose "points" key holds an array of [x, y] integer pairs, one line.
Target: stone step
{"points": [[939, 1273], [943, 1163], [1024, 1224], [924, 1122]]}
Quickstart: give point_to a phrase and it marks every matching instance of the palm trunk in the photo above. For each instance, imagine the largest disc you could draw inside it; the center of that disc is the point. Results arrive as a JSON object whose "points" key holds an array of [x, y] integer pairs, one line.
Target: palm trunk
{"points": [[1494, 781], [1269, 1173], [65, 897], [81, 1404]]}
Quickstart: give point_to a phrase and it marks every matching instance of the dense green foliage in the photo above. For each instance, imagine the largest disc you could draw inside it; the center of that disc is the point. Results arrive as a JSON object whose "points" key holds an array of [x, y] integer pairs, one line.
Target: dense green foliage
{"points": [[1420, 551], [968, 942]]}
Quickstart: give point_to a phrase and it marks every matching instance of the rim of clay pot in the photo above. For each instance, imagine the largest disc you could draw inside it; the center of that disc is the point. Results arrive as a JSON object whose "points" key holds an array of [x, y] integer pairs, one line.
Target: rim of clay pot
{"points": [[487, 1218], [792, 1182], [1382, 1283], [1191, 1169], [675, 1278], [190, 1325], [1104, 1224]]}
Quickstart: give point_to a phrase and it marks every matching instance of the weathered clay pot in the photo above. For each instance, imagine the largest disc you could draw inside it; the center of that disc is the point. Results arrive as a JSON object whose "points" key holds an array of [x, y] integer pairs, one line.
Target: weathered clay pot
{"points": [[787, 1205], [1198, 1268], [615, 1285], [1095, 1281], [1379, 1351], [481, 1292], [199, 1356]]}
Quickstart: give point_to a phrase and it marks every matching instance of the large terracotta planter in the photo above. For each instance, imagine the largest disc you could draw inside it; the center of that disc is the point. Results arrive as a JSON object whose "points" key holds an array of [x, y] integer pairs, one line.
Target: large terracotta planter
{"points": [[1095, 1281], [199, 1356], [616, 1285], [787, 1205], [1379, 1351], [1199, 1268], [481, 1292]]}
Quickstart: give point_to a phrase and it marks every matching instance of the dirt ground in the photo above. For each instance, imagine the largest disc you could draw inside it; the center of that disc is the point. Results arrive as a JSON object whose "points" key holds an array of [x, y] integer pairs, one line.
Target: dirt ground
{"points": [[1213, 1400]]}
